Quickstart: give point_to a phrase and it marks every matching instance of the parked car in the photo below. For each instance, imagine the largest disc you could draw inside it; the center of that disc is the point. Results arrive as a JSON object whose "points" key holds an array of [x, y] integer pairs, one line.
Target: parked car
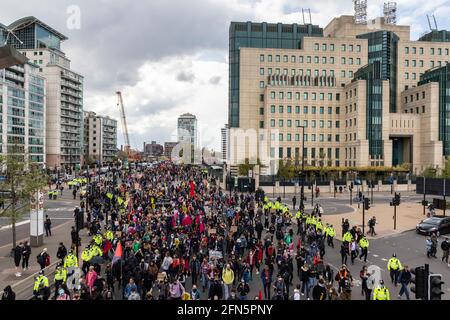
{"points": [[438, 224]]}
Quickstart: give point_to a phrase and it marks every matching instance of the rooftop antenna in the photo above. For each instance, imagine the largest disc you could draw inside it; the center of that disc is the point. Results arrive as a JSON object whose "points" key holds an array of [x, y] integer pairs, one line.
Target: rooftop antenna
{"points": [[360, 11], [303, 14], [390, 12], [435, 24], [310, 20], [429, 23]]}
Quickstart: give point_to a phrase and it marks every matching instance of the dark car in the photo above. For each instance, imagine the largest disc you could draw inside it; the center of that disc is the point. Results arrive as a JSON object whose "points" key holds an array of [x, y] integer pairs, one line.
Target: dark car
{"points": [[438, 224]]}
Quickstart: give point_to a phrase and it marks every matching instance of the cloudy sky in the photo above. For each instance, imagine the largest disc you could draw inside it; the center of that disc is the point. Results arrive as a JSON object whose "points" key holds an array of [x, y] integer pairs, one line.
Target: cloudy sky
{"points": [[169, 57]]}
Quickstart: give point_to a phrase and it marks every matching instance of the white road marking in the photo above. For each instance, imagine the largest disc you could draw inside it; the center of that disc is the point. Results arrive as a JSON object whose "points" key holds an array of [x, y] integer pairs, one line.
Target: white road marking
{"points": [[383, 259], [17, 224], [375, 255]]}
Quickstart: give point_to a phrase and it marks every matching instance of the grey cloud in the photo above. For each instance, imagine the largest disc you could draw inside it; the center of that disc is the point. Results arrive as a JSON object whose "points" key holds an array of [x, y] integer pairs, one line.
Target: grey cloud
{"points": [[215, 80], [185, 76]]}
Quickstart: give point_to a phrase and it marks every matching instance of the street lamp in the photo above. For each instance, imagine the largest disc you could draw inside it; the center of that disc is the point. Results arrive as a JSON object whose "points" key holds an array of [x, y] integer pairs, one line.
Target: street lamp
{"points": [[302, 190]]}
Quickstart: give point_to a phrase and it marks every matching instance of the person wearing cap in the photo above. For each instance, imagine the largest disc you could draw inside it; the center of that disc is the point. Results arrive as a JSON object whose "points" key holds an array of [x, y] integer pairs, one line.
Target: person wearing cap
{"points": [[394, 266], [41, 286], [381, 292], [71, 260], [60, 277], [364, 245]]}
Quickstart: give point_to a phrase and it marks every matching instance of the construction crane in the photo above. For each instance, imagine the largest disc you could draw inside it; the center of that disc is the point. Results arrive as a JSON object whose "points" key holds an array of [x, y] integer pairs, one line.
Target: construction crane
{"points": [[131, 154]]}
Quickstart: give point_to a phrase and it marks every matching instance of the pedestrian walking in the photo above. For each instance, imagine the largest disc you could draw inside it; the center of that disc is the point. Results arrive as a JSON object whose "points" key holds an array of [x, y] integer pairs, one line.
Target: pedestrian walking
{"points": [[43, 258], [445, 247], [404, 280], [26, 253], [394, 266], [17, 257], [48, 226]]}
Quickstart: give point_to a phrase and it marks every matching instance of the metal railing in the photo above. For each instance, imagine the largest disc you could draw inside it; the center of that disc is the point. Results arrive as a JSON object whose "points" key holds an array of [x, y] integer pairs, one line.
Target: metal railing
{"points": [[24, 288]]}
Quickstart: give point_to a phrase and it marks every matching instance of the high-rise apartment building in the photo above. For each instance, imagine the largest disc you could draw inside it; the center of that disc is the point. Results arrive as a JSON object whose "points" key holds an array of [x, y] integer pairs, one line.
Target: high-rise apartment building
{"points": [[22, 112], [187, 129], [225, 136], [64, 108], [100, 137], [350, 88]]}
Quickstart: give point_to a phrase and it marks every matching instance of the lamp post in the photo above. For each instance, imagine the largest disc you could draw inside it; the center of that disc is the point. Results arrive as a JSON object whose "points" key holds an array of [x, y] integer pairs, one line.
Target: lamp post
{"points": [[302, 189]]}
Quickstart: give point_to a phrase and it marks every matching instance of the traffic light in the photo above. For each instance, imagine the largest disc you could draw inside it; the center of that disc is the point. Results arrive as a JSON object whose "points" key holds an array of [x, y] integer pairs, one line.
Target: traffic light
{"points": [[397, 198], [435, 286], [420, 282], [366, 203]]}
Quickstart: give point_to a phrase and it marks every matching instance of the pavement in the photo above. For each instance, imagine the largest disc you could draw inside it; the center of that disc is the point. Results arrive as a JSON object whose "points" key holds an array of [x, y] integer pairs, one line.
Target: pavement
{"points": [[60, 212]]}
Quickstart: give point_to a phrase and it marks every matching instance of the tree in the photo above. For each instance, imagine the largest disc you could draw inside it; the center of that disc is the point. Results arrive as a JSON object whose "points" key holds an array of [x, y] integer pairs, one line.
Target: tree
{"points": [[245, 167], [23, 180], [446, 171], [429, 172]]}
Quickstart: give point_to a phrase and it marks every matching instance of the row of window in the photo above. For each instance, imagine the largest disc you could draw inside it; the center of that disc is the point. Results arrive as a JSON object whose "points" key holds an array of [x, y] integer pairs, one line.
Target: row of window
{"points": [[300, 59], [439, 51], [421, 63], [312, 154], [344, 47], [417, 110], [326, 60], [306, 95], [305, 123], [297, 110], [313, 137], [306, 72], [411, 99]]}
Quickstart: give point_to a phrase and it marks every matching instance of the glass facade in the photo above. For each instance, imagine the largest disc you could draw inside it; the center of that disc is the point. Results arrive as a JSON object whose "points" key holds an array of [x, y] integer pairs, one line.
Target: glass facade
{"points": [[442, 76], [374, 108], [436, 36], [260, 35], [22, 102], [383, 46]]}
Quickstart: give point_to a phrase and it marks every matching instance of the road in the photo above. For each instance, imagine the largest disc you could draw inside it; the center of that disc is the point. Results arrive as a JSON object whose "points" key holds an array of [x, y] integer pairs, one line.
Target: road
{"points": [[59, 211]]}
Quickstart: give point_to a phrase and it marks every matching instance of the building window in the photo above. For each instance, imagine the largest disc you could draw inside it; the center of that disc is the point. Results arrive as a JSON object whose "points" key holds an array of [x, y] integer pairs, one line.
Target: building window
{"points": [[331, 60], [297, 123], [272, 109], [316, 59], [421, 63], [297, 137], [289, 123], [329, 124], [406, 63], [337, 138], [261, 84], [406, 75], [324, 47], [297, 109], [358, 61], [423, 94], [407, 50], [289, 109], [321, 137], [343, 60], [305, 110], [308, 59], [343, 74], [305, 96], [297, 96], [269, 58], [313, 123], [280, 109], [261, 124], [261, 58], [289, 95], [300, 59], [324, 60], [440, 51], [314, 96], [331, 46], [330, 110], [281, 95], [269, 71], [313, 137], [337, 124], [288, 138], [313, 110], [261, 111], [321, 110], [343, 47], [272, 94], [316, 46], [285, 58], [423, 109], [413, 63], [305, 123], [261, 71], [358, 48], [280, 137], [272, 123], [293, 59], [431, 51]]}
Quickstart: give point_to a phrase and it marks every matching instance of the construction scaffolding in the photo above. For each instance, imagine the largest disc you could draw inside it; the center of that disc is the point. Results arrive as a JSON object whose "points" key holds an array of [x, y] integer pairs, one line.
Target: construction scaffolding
{"points": [[390, 12], [360, 11]]}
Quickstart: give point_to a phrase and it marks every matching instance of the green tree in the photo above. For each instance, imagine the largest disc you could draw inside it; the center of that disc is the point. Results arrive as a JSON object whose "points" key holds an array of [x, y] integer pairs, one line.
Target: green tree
{"points": [[429, 172], [446, 171], [23, 180], [245, 167]]}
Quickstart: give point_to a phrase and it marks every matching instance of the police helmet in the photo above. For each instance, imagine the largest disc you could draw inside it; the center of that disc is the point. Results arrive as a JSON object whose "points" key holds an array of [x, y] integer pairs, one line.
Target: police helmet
{"points": [[394, 255]]}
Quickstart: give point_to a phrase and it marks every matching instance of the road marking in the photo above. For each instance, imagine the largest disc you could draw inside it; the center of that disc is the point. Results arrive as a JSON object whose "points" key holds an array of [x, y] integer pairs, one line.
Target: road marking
{"points": [[383, 259], [375, 255], [17, 224]]}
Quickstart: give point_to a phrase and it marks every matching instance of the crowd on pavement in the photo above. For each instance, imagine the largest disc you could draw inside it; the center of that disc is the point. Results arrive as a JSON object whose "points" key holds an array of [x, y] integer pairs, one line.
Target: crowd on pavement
{"points": [[168, 232]]}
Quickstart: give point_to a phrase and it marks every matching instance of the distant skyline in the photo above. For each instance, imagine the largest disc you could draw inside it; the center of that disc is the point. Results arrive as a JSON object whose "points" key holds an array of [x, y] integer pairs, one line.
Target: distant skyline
{"points": [[171, 57]]}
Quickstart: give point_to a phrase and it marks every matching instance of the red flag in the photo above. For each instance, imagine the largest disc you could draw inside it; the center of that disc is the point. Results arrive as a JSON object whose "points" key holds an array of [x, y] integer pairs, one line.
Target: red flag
{"points": [[117, 253]]}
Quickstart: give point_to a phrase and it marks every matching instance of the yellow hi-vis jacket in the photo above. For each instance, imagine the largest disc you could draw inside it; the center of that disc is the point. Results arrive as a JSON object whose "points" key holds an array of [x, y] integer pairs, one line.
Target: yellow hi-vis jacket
{"points": [[61, 275], [381, 294], [70, 261], [394, 264], [40, 283]]}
